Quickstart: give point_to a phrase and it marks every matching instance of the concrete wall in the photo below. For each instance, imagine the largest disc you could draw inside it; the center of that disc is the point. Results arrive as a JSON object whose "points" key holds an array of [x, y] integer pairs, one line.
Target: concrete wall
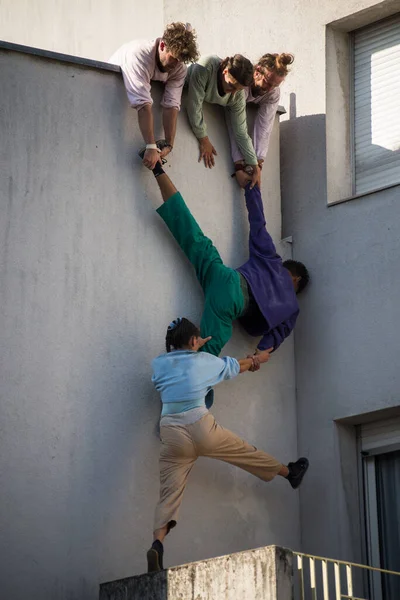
{"points": [[80, 27], [90, 278], [347, 339], [261, 574], [347, 334]]}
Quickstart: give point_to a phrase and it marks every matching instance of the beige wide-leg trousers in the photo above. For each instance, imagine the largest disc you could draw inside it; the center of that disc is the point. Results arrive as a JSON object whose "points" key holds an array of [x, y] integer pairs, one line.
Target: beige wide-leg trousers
{"points": [[181, 445]]}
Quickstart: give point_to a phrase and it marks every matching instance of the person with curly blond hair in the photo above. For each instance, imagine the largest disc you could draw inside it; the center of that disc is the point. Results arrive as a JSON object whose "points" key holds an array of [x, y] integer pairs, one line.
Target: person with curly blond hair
{"points": [[163, 59], [264, 91]]}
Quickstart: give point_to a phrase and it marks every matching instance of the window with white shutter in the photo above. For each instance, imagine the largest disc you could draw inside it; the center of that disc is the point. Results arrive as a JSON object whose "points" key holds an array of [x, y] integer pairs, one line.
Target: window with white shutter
{"points": [[380, 448], [376, 70]]}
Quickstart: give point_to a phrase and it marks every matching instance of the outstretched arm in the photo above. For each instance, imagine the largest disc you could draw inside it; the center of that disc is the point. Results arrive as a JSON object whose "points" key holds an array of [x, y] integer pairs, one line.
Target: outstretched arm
{"points": [[198, 82], [137, 83], [170, 118], [171, 104], [264, 123], [237, 120], [277, 335], [145, 117], [260, 241], [252, 363], [166, 186]]}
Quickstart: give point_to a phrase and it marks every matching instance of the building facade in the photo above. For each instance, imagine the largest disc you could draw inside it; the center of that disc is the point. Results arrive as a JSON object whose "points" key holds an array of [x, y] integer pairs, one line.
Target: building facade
{"points": [[80, 458]]}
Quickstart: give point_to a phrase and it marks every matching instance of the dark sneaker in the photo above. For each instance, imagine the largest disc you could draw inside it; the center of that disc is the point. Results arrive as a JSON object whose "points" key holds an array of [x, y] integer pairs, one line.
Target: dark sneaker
{"points": [[209, 398], [141, 152], [160, 145], [297, 470], [155, 557]]}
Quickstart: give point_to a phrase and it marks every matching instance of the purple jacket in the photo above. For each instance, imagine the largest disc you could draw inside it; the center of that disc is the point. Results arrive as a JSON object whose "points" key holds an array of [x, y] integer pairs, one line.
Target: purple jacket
{"points": [[269, 281]]}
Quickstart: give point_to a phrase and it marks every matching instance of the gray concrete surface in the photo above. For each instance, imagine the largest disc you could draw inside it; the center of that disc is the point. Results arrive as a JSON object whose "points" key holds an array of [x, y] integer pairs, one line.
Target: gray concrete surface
{"points": [[261, 574], [348, 337], [89, 280]]}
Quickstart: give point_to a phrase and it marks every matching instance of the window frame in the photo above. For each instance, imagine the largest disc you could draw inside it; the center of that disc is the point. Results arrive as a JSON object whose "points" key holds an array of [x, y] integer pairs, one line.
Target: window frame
{"points": [[369, 505], [340, 155]]}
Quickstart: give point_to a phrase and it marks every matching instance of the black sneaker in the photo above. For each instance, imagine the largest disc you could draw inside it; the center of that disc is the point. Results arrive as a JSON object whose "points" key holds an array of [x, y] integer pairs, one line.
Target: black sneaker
{"points": [[209, 398], [155, 557], [160, 145], [297, 470], [141, 152], [249, 170]]}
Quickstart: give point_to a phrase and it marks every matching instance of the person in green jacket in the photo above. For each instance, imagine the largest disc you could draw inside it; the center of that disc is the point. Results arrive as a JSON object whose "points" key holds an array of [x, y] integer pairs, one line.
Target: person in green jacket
{"points": [[221, 82]]}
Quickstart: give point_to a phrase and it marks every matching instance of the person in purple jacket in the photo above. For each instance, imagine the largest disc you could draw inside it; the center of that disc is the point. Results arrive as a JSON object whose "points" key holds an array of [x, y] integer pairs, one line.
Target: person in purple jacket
{"points": [[261, 294]]}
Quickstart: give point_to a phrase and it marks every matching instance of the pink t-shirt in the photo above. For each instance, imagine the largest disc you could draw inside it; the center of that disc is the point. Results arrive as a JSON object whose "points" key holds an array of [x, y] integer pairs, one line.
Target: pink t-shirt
{"points": [[138, 64]]}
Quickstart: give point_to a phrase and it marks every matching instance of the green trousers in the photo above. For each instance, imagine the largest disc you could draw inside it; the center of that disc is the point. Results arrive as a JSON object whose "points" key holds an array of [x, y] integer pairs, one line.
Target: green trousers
{"points": [[223, 298]]}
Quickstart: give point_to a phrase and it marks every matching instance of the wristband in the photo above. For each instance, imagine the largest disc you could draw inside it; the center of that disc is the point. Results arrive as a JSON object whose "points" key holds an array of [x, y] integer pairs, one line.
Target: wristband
{"points": [[152, 147]]}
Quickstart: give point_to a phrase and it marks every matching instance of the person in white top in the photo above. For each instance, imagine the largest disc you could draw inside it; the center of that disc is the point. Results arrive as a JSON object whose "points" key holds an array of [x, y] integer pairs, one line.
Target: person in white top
{"points": [[269, 73], [163, 59]]}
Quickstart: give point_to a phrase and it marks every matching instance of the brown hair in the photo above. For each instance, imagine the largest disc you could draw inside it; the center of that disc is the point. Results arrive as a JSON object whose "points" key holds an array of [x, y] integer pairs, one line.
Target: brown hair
{"points": [[240, 68], [180, 39], [278, 63]]}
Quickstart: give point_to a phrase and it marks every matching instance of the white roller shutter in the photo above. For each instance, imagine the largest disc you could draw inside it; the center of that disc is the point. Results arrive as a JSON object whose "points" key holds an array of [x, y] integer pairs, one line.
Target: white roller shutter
{"points": [[380, 435], [377, 105]]}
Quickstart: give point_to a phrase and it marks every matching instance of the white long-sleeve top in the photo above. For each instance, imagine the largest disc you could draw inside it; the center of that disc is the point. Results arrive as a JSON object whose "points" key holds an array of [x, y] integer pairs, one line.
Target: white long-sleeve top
{"points": [[263, 124], [138, 64]]}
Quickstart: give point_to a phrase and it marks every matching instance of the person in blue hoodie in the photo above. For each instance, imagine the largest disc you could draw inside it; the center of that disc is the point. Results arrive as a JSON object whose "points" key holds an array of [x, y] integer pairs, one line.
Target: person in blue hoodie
{"points": [[188, 430], [261, 294]]}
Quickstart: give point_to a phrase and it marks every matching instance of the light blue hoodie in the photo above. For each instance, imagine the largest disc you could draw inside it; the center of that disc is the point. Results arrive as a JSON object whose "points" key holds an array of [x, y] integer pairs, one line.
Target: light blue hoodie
{"points": [[183, 377]]}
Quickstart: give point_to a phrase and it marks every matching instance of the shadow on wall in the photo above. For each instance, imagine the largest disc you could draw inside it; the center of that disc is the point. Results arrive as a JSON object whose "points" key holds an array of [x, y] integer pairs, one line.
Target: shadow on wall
{"points": [[303, 158], [351, 251], [303, 168]]}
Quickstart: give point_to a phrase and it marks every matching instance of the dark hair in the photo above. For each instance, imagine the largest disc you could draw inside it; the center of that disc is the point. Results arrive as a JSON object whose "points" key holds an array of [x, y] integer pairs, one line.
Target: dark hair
{"points": [[240, 68], [179, 333], [297, 269]]}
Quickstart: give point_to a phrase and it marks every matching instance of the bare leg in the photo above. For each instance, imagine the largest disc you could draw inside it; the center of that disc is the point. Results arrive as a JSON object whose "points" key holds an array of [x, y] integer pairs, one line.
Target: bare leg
{"points": [[284, 472], [166, 186]]}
